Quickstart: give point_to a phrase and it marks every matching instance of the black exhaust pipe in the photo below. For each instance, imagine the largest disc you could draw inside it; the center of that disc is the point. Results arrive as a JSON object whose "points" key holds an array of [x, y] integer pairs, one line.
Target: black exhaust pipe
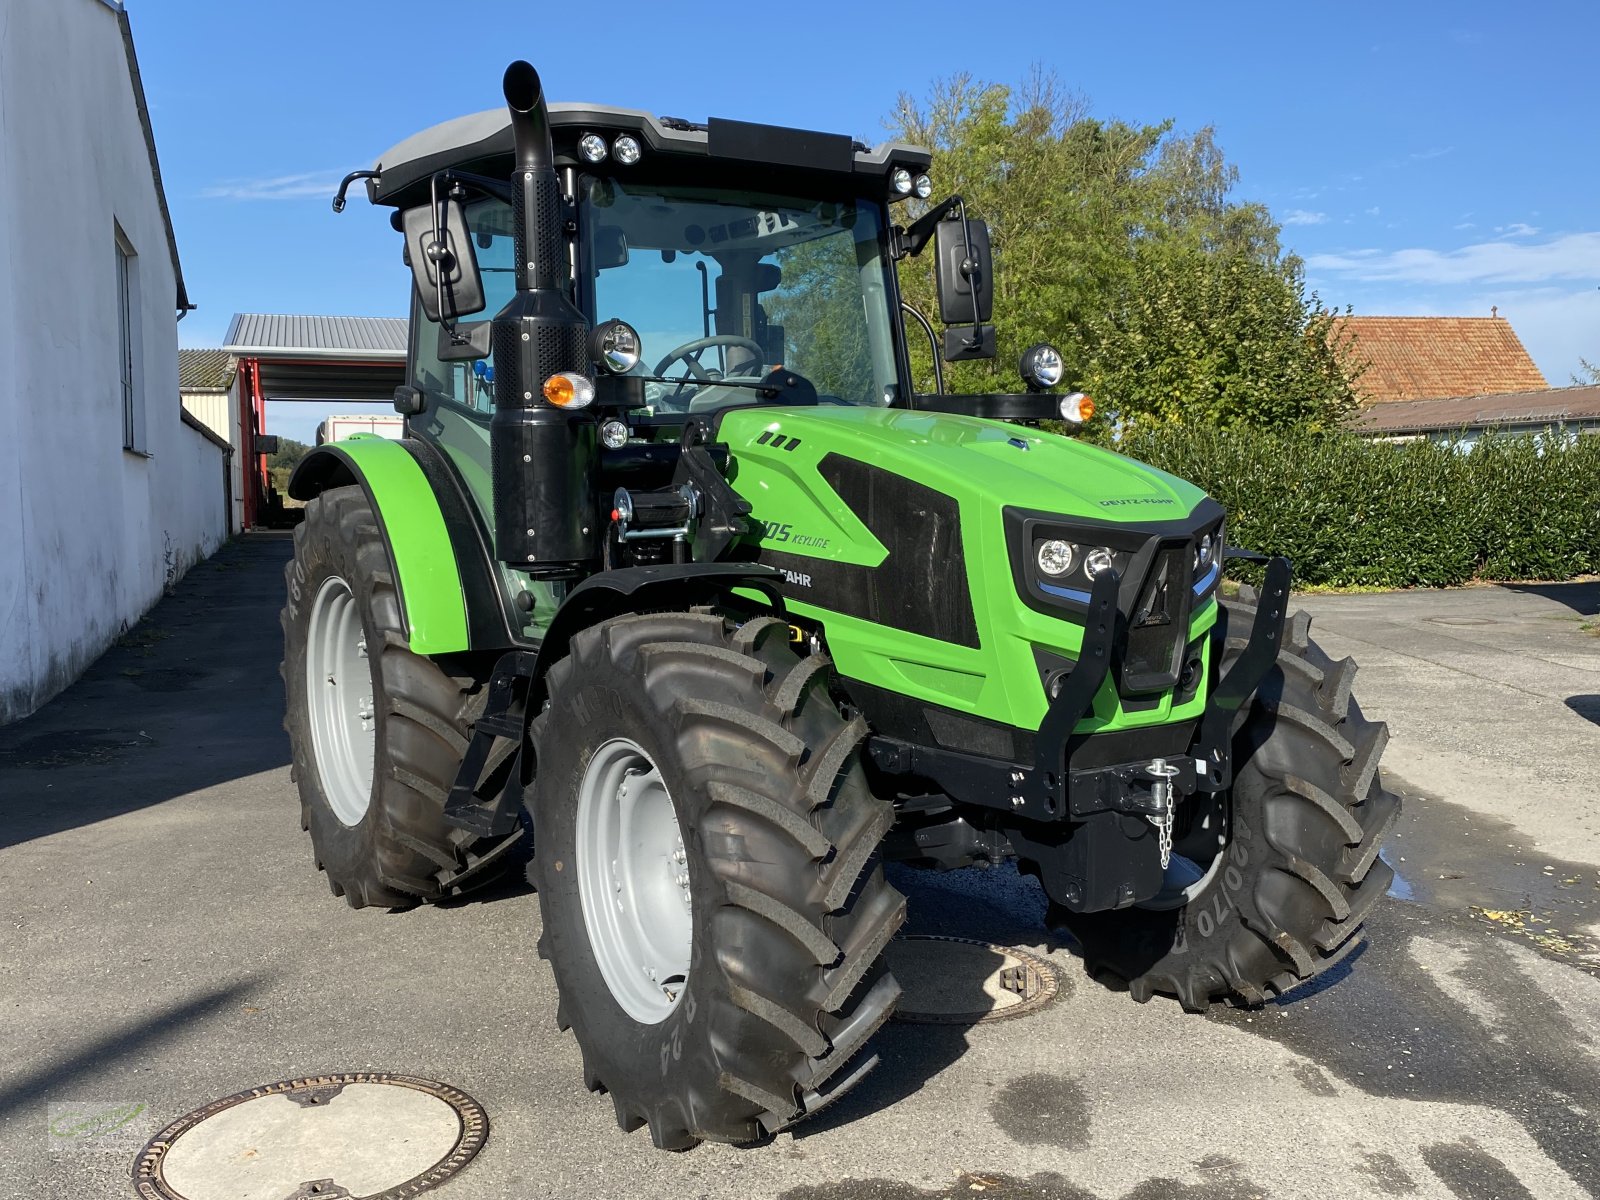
{"points": [[543, 457]]}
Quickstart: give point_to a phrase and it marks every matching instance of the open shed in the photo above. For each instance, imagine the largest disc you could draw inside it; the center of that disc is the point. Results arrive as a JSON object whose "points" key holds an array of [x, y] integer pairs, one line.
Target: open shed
{"points": [[325, 358]]}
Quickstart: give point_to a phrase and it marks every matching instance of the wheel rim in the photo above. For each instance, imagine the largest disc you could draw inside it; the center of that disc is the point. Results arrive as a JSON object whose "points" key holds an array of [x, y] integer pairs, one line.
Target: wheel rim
{"points": [[633, 881], [344, 735]]}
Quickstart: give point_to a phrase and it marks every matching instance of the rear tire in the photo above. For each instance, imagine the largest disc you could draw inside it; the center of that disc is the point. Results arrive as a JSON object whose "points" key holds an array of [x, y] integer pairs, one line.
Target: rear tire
{"points": [[382, 840], [787, 908], [1300, 870]]}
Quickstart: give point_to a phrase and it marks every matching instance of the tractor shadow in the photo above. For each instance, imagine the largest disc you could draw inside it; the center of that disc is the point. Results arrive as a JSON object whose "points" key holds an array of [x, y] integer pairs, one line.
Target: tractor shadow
{"points": [[945, 998], [1586, 706]]}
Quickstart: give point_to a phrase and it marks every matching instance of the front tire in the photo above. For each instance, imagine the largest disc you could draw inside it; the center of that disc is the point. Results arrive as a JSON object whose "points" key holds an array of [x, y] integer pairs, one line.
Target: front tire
{"points": [[767, 971], [376, 732], [1284, 898]]}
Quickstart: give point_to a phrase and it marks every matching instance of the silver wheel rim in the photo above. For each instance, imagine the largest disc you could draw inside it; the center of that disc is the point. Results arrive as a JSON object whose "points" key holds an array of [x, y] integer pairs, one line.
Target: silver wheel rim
{"points": [[633, 881], [344, 737]]}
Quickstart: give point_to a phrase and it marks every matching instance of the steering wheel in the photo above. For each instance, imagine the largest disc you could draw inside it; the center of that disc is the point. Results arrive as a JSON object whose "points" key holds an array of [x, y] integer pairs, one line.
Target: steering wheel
{"points": [[690, 353]]}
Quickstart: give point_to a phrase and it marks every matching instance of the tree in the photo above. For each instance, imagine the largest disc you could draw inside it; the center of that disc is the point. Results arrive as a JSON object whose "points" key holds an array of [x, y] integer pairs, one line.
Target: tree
{"points": [[288, 454], [1122, 245], [1588, 372]]}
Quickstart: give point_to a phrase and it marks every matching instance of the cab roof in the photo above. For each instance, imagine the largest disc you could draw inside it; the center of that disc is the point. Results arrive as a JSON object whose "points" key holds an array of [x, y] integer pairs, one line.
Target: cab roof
{"points": [[481, 142]]}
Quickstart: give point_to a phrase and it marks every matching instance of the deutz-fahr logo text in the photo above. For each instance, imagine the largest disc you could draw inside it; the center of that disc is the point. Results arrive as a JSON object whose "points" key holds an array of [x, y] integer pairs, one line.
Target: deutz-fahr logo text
{"points": [[1137, 500]]}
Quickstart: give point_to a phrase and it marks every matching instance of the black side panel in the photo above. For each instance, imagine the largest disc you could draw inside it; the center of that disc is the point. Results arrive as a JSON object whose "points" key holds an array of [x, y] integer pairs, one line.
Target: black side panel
{"points": [[921, 587]]}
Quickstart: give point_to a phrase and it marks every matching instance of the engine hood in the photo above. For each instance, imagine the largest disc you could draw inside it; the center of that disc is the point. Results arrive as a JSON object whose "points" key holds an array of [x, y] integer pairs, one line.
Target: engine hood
{"points": [[969, 458]]}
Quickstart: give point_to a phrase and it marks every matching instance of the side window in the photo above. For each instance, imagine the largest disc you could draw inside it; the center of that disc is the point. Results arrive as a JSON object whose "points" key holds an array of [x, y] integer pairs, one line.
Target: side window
{"points": [[128, 344], [470, 385]]}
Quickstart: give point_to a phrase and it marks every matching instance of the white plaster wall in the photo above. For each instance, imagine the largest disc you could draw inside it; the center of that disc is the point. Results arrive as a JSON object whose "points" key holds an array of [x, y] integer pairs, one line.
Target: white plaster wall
{"points": [[220, 412], [89, 533]]}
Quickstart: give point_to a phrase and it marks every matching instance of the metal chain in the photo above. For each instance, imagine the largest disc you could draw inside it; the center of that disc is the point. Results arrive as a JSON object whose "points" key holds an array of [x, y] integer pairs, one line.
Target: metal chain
{"points": [[1161, 793]]}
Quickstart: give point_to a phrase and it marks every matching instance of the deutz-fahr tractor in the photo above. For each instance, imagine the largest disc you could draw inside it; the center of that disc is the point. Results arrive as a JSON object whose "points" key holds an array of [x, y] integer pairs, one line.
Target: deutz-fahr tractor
{"points": [[676, 573]]}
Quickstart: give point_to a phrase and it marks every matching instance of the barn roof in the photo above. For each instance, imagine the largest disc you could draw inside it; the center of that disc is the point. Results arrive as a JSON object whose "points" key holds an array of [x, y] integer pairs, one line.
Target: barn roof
{"points": [[1426, 358]]}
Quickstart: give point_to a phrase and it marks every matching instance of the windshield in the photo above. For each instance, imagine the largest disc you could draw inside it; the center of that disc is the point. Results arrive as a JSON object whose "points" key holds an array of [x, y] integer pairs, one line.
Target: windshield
{"points": [[727, 285]]}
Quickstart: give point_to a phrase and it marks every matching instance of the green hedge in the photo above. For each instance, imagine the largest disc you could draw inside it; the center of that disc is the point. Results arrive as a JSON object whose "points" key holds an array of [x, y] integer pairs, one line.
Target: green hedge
{"points": [[1352, 512]]}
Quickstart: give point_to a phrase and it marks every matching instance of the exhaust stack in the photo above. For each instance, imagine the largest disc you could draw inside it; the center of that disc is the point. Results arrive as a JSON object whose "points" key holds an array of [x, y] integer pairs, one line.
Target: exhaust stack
{"points": [[543, 457]]}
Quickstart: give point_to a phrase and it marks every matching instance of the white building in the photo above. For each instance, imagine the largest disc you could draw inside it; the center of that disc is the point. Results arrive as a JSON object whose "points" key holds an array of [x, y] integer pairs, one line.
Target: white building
{"points": [[208, 381], [107, 493]]}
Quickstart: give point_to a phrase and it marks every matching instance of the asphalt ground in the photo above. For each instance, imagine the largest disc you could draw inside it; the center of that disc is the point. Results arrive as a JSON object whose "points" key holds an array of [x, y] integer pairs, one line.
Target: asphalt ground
{"points": [[165, 941]]}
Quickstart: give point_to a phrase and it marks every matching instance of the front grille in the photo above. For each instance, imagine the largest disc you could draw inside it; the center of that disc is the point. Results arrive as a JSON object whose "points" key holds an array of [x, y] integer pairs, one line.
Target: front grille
{"points": [[1158, 624]]}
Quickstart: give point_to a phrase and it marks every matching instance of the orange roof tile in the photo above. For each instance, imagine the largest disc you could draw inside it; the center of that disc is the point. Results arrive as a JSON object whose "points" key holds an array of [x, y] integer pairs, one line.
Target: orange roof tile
{"points": [[1424, 358]]}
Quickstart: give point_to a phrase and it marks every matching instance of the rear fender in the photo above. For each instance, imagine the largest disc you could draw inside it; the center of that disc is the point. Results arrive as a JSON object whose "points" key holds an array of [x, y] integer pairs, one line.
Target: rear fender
{"points": [[432, 602]]}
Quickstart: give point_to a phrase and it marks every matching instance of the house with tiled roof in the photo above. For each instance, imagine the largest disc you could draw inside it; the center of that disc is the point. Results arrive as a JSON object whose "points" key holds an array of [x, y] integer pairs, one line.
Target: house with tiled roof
{"points": [[1426, 358], [1455, 378]]}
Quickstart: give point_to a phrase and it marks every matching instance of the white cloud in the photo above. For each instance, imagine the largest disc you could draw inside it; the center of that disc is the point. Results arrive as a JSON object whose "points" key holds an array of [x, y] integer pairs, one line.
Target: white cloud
{"points": [[1570, 256], [280, 187], [1373, 211], [1517, 229], [1464, 225], [1300, 216]]}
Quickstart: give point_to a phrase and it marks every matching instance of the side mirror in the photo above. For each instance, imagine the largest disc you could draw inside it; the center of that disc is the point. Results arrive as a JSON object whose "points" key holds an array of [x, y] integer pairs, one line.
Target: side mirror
{"points": [[965, 279], [610, 247], [445, 267]]}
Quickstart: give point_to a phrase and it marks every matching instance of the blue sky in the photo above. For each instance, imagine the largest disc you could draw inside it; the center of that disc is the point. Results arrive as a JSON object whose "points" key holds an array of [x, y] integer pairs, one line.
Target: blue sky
{"points": [[1424, 159]]}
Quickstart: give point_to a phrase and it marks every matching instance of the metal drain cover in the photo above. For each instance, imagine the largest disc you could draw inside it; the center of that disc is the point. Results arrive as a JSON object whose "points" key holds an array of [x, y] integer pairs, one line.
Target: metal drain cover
{"points": [[960, 981], [363, 1134]]}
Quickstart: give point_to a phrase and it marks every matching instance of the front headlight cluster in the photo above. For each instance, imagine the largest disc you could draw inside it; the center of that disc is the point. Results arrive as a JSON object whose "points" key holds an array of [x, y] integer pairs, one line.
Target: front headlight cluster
{"points": [[1061, 559], [1207, 561]]}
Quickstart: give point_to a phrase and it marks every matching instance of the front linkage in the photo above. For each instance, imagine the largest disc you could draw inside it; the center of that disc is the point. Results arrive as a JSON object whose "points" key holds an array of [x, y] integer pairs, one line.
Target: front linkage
{"points": [[1101, 867]]}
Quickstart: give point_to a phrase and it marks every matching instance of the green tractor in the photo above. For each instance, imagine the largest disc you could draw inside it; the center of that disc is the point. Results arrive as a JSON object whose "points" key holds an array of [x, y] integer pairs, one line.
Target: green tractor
{"points": [[674, 566]]}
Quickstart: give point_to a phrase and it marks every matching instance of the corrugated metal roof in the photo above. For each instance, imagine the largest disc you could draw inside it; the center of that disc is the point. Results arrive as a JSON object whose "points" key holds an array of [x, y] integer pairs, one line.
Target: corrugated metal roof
{"points": [[281, 335], [205, 370], [1547, 406]]}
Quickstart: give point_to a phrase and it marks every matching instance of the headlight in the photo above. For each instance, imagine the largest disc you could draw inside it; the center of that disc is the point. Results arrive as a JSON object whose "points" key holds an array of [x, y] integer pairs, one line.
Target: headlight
{"points": [[1097, 562], [1056, 557], [1041, 367], [900, 181], [615, 347], [627, 149], [592, 147], [923, 186]]}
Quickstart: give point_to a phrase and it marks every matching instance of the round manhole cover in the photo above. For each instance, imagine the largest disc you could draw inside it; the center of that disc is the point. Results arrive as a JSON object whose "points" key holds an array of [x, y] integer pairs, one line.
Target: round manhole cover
{"points": [[332, 1137], [1463, 620], [960, 981]]}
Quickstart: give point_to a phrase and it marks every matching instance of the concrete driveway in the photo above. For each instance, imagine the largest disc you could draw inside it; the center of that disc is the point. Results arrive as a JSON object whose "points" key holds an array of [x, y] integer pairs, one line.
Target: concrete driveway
{"points": [[165, 941]]}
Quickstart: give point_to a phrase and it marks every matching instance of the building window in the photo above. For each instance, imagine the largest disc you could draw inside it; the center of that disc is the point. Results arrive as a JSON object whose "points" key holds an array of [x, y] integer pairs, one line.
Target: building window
{"points": [[133, 434]]}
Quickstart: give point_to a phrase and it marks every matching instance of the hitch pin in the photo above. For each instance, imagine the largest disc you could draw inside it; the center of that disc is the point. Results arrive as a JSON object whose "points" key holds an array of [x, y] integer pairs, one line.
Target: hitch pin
{"points": [[1161, 773]]}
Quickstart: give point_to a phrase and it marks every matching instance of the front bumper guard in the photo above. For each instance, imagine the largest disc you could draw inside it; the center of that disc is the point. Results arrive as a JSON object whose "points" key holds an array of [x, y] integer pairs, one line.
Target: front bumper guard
{"points": [[1049, 789]]}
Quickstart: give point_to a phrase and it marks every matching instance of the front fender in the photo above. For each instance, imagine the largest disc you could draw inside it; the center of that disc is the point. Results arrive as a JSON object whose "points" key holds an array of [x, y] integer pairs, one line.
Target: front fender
{"points": [[432, 601]]}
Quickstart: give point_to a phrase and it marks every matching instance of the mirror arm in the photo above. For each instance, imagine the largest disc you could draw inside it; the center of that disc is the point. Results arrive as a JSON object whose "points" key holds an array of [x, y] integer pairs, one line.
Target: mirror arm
{"points": [[910, 242], [933, 345], [441, 256], [344, 186], [500, 189]]}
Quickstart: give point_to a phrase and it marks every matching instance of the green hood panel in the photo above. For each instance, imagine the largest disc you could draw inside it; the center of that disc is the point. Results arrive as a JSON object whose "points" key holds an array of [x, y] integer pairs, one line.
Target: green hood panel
{"points": [[967, 457], [926, 605]]}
